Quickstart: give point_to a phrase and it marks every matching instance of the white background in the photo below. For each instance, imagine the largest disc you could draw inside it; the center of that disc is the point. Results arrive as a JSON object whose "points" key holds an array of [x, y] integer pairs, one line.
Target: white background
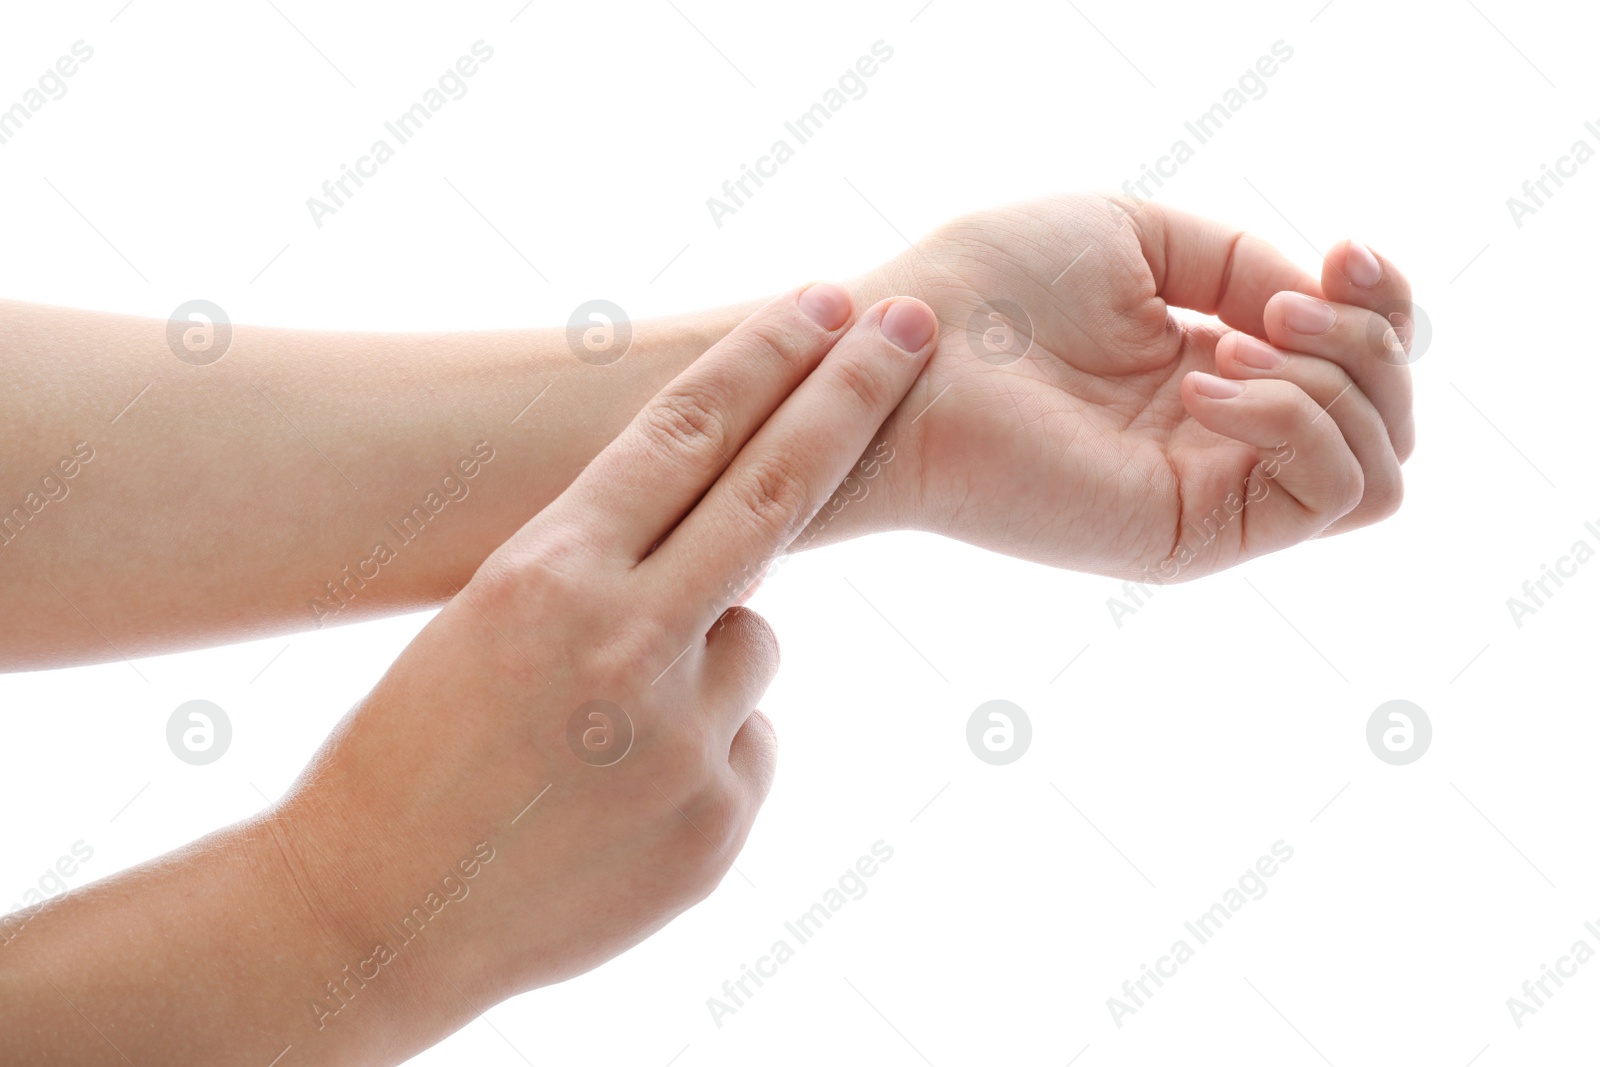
{"points": [[1220, 718]]}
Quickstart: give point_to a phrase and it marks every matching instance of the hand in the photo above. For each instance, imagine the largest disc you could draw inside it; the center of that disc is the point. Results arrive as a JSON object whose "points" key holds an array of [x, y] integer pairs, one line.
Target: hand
{"points": [[575, 728], [1106, 444], [565, 758]]}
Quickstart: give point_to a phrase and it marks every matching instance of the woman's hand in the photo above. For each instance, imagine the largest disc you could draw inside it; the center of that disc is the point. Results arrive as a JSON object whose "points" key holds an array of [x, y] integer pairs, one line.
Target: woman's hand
{"points": [[584, 709], [1068, 417], [564, 759]]}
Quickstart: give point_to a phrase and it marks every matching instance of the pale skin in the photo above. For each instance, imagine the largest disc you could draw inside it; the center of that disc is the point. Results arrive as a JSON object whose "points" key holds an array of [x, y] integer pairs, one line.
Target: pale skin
{"points": [[221, 503]]}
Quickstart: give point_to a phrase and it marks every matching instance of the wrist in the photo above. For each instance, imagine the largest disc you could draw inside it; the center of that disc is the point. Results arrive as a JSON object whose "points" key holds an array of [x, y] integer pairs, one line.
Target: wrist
{"points": [[363, 978], [894, 469], [886, 490]]}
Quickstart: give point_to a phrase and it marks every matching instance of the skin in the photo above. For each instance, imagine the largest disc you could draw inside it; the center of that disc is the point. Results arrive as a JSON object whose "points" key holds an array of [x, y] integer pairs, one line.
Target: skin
{"points": [[1097, 448], [605, 595], [1107, 444], [1092, 451]]}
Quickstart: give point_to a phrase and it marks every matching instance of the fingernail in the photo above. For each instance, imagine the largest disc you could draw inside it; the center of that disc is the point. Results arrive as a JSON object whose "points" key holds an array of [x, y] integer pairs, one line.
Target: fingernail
{"points": [[1361, 266], [826, 304], [1210, 385], [909, 324], [1257, 354], [1305, 315]]}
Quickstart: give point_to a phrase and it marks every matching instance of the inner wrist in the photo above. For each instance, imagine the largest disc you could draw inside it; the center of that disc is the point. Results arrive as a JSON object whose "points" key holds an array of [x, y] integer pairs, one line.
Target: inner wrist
{"points": [[883, 491]]}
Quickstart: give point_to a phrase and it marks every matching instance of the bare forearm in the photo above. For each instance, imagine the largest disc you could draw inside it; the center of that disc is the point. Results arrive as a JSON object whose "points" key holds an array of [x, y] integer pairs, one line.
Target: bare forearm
{"points": [[229, 950], [304, 479]]}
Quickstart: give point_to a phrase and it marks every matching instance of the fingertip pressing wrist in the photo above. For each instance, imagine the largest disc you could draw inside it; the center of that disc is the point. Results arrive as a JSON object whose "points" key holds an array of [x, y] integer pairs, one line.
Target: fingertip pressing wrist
{"points": [[884, 491]]}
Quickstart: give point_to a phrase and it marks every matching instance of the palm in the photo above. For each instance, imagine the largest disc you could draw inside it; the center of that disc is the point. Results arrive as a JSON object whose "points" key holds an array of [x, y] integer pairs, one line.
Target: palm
{"points": [[1080, 445]]}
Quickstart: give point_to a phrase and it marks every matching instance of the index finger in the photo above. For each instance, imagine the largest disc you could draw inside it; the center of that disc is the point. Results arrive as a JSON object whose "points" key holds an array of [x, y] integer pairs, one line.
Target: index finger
{"points": [[635, 491], [793, 465]]}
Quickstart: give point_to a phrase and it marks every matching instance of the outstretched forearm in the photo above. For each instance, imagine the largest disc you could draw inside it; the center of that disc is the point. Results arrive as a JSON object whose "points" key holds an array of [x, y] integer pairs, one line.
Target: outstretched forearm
{"points": [[303, 479]]}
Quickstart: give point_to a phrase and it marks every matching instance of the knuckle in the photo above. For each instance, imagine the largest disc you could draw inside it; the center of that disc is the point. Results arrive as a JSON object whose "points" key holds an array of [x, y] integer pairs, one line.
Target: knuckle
{"points": [[866, 382], [628, 657], [1289, 422], [1386, 499], [719, 813], [699, 833], [1397, 495], [784, 338], [1347, 487], [1307, 412], [706, 868], [774, 494], [634, 648], [1405, 443], [532, 575], [1340, 383], [681, 421]]}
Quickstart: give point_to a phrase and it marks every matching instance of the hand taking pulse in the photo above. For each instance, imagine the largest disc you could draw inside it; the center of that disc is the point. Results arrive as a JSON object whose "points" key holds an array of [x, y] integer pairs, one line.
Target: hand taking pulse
{"points": [[565, 758], [454, 797]]}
